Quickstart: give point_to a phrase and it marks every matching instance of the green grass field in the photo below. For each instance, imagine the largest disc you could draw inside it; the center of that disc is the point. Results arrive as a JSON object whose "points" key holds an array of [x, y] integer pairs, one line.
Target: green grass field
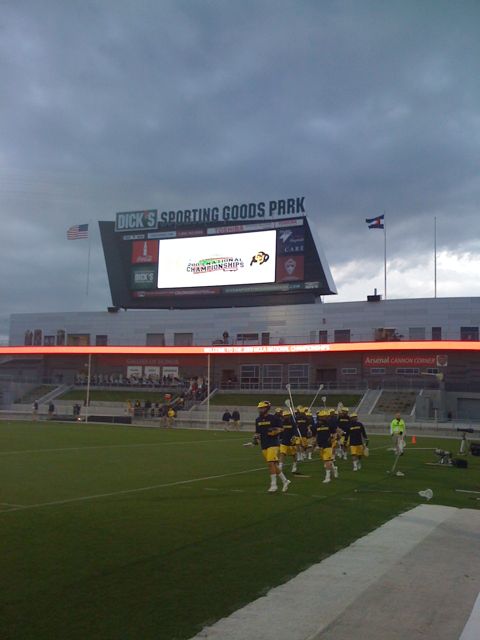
{"points": [[126, 533]]}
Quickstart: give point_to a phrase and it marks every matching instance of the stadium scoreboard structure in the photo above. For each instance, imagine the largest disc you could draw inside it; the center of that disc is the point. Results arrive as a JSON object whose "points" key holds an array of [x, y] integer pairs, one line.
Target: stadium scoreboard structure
{"points": [[263, 253]]}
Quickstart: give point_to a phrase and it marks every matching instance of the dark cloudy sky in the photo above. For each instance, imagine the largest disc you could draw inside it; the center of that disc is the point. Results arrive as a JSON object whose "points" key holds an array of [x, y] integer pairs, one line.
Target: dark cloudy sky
{"points": [[360, 106]]}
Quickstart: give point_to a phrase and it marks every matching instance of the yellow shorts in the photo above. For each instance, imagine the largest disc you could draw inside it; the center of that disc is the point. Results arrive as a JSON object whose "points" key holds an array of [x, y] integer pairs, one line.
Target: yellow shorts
{"points": [[287, 450], [270, 454], [356, 450], [326, 454]]}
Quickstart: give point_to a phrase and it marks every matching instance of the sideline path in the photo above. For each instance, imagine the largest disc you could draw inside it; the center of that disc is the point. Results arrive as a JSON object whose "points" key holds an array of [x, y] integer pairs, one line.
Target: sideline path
{"points": [[415, 577]]}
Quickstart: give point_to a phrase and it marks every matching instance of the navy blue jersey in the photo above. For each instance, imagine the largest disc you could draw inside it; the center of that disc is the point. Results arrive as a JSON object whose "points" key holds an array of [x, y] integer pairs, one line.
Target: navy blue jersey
{"points": [[356, 433], [302, 424], [343, 423], [268, 429], [289, 431], [324, 435], [332, 422]]}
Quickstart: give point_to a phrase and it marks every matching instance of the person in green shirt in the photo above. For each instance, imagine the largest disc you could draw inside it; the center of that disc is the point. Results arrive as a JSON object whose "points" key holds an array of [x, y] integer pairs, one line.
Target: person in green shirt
{"points": [[397, 431]]}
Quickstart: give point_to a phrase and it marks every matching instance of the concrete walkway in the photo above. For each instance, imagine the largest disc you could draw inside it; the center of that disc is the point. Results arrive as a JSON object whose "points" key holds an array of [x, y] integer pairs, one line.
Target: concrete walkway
{"points": [[416, 577]]}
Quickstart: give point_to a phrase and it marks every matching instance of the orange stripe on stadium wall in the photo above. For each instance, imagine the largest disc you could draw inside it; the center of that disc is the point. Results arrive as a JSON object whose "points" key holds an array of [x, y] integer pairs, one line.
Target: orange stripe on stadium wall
{"points": [[406, 345]]}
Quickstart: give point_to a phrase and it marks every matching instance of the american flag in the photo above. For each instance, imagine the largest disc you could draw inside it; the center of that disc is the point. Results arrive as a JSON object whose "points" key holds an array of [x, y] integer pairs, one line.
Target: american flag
{"points": [[77, 232]]}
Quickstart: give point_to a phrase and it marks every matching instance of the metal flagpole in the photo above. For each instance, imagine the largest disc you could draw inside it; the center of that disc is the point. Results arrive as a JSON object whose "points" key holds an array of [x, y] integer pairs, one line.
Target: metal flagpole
{"points": [[385, 254], [208, 391], [88, 259], [435, 256], [88, 385]]}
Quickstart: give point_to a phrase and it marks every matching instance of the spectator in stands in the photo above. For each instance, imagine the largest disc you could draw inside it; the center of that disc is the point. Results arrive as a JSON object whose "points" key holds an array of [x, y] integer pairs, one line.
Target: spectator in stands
{"points": [[163, 415], [51, 410], [35, 411], [171, 415], [227, 416], [146, 408], [236, 419]]}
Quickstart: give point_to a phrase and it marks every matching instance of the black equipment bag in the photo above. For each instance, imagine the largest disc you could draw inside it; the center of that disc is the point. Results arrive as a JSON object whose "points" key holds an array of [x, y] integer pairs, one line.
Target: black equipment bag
{"points": [[460, 463], [475, 448]]}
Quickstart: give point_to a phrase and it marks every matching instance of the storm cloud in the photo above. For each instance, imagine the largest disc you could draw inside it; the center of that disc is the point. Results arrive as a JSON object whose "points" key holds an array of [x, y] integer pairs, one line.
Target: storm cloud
{"points": [[361, 107]]}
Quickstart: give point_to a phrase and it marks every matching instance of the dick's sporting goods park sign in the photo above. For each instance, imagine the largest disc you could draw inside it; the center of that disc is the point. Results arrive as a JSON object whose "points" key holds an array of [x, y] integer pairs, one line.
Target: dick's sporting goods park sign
{"points": [[152, 219]]}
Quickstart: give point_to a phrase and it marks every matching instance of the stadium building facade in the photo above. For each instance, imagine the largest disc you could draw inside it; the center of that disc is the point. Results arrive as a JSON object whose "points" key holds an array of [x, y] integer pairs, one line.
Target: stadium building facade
{"points": [[397, 342]]}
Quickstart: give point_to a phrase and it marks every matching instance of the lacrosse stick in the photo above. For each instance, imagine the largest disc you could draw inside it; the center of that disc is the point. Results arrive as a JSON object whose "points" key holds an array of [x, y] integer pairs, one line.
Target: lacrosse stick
{"points": [[425, 493], [313, 401]]}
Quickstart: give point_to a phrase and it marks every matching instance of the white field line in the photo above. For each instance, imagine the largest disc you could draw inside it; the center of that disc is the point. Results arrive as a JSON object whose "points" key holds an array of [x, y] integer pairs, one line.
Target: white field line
{"points": [[117, 446], [9, 504], [127, 491], [149, 444]]}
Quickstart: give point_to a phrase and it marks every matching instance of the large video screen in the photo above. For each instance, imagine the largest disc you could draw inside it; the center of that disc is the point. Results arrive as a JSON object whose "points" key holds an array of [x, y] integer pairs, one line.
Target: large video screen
{"points": [[237, 258], [197, 266]]}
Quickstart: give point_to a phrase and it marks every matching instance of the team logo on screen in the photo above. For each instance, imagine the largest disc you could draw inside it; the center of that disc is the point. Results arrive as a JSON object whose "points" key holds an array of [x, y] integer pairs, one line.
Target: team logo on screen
{"points": [[259, 258], [207, 265]]}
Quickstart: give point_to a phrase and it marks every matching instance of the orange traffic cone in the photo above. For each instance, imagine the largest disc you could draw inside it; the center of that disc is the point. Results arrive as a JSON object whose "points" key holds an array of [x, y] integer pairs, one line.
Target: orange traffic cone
{"points": [[414, 439]]}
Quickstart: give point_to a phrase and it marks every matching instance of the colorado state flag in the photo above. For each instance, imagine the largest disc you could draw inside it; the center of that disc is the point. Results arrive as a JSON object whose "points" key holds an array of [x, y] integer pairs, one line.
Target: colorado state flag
{"points": [[376, 223]]}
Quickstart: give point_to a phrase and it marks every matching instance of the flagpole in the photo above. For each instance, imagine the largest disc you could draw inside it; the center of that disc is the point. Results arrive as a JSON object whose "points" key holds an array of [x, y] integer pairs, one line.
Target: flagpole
{"points": [[435, 256], [385, 254], [88, 258]]}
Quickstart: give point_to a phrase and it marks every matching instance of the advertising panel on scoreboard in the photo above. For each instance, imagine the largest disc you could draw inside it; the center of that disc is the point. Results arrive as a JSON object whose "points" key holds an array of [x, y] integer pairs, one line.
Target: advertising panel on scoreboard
{"points": [[222, 260]]}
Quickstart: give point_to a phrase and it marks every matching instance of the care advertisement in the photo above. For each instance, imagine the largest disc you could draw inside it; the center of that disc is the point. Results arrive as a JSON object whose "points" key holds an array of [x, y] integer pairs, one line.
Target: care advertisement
{"points": [[223, 260]]}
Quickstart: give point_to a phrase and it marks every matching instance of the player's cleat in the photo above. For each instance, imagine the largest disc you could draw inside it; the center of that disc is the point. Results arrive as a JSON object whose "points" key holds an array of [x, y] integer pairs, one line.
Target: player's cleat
{"points": [[273, 489], [326, 480], [285, 485]]}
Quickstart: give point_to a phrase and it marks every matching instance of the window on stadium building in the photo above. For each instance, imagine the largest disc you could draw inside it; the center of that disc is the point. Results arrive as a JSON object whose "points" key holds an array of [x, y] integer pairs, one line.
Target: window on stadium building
{"points": [[341, 335], [468, 333], [416, 333], [349, 371], [407, 371], [155, 339], [182, 339], [298, 375], [377, 371], [247, 338], [432, 371], [272, 376], [250, 376], [436, 333], [78, 339], [49, 341], [101, 340], [323, 336]]}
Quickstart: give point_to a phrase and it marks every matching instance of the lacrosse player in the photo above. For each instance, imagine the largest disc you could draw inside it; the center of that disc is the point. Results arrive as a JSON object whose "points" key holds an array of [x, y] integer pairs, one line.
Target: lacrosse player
{"points": [[343, 423], [357, 440], [301, 421], [324, 444], [287, 441], [267, 430]]}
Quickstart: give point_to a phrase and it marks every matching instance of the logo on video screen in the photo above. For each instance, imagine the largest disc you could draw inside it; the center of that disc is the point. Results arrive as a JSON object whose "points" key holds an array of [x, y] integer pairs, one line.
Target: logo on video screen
{"points": [[208, 265], [260, 258]]}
